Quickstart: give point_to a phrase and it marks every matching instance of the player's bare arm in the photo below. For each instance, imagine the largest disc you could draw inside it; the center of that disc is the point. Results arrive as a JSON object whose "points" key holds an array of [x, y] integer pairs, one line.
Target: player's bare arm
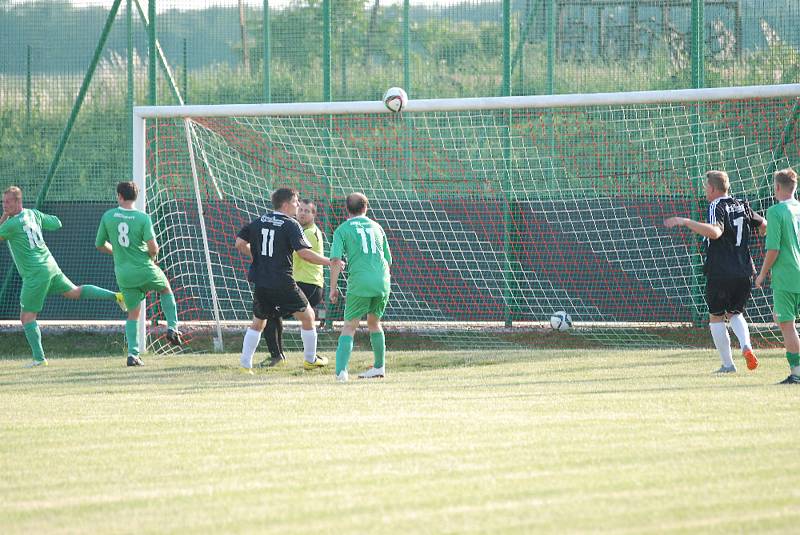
{"points": [[152, 248], [105, 248], [769, 261], [243, 247], [310, 256], [336, 268], [707, 230]]}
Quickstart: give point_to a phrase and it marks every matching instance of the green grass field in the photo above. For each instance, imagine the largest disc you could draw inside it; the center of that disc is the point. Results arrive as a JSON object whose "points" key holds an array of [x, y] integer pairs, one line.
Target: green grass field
{"points": [[550, 441]]}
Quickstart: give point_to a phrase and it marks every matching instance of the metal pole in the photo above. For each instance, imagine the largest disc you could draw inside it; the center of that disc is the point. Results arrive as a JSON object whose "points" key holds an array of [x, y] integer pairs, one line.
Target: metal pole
{"points": [[139, 177], [698, 42], [130, 96], [698, 138], [326, 50], [267, 61], [406, 47], [28, 89], [151, 48], [551, 46], [162, 59], [506, 48], [185, 73]]}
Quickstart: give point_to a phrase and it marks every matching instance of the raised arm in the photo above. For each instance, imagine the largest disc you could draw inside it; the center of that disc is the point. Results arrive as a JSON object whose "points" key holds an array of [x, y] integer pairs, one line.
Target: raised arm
{"points": [[707, 230], [50, 222]]}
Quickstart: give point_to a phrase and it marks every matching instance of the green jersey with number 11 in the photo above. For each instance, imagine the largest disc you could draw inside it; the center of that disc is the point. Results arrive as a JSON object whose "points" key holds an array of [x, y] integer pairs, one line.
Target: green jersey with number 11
{"points": [[128, 231], [24, 235], [363, 242]]}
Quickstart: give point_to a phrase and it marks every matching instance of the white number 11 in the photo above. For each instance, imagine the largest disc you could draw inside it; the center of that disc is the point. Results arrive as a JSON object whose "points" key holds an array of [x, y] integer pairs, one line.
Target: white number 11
{"points": [[364, 246]]}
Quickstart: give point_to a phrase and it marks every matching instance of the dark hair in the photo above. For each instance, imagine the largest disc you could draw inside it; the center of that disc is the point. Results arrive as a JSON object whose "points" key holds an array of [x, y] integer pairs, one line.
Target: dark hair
{"points": [[357, 203], [312, 203], [281, 196], [128, 190]]}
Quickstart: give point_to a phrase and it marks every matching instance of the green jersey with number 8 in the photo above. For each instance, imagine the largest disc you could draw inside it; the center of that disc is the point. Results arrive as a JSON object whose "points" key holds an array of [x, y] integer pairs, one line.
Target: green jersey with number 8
{"points": [[128, 231]]}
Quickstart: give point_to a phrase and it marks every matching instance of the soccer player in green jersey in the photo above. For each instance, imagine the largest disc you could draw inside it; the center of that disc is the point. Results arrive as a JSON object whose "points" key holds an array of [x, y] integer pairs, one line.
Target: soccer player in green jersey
{"points": [[783, 262], [134, 248], [309, 278], [22, 229], [364, 243]]}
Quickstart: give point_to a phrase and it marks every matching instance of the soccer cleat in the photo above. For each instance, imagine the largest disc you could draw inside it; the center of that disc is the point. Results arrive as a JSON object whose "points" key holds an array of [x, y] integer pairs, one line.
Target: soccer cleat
{"points": [[373, 373], [35, 363], [272, 362], [133, 360], [174, 337], [319, 362], [791, 380], [750, 357], [343, 376], [246, 371], [726, 369], [120, 301]]}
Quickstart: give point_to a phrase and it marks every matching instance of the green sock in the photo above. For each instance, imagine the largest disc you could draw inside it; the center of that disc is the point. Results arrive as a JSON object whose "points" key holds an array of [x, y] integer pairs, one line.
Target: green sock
{"points": [[793, 358], [95, 292], [34, 336], [132, 336], [343, 351], [378, 341], [170, 310]]}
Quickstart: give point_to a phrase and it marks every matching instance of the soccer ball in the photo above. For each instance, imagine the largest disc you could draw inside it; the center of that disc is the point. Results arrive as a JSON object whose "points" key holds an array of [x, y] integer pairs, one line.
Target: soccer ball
{"points": [[560, 321], [395, 99]]}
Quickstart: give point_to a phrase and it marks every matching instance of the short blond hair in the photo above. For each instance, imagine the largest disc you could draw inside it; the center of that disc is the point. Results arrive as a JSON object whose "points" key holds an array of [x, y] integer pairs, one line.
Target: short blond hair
{"points": [[15, 191], [787, 178], [719, 180]]}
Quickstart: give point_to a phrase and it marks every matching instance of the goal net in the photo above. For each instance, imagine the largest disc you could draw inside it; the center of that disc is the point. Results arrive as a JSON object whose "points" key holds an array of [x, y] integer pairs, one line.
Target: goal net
{"points": [[499, 211]]}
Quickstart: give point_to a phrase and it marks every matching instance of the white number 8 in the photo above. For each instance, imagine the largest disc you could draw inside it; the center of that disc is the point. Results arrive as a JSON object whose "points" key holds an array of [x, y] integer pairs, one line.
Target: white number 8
{"points": [[123, 238]]}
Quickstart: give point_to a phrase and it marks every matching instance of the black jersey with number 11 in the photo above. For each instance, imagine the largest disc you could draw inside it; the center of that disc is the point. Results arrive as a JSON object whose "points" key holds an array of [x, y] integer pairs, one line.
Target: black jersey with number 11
{"points": [[273, 238]]}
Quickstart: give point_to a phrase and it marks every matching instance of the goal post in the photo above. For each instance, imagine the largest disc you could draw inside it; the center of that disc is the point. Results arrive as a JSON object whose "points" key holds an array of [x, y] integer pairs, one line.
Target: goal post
{"points": [[500, 211]]}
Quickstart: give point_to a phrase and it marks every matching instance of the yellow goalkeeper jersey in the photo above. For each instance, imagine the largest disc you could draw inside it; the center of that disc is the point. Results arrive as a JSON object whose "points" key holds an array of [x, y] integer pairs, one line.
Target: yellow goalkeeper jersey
{"points": [[306, 271]]}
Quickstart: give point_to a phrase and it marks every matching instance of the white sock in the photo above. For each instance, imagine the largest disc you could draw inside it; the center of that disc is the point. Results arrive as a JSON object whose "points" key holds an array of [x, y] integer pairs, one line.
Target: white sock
{"points": [[309, 344], [249, 345], [719, 332], [796, 371], [740, 329]]}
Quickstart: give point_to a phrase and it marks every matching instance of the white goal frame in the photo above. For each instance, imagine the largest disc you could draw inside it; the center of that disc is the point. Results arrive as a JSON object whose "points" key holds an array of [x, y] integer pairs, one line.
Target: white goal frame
{"points": [[143, 113]]}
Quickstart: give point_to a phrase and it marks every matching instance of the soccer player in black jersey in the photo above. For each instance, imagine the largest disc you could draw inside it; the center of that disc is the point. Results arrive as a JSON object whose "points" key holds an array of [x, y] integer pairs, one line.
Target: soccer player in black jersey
{"points": [[269, 242], [728, 267]]}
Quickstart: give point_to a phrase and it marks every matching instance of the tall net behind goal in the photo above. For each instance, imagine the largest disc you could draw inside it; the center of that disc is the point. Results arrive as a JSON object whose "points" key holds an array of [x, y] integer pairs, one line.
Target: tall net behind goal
{"points": [[497, 218]]}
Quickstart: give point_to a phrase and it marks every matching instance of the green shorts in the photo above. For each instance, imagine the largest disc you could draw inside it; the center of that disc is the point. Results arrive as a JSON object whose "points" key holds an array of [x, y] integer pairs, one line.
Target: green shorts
{"points": [[356, 306], [36, 289], [133, 296], [787, 305]]}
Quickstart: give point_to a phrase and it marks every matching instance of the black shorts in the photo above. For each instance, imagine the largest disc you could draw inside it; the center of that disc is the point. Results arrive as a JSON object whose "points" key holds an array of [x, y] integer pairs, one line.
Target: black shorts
{"points": [[727, 295], [273, 302], [312, 292]]}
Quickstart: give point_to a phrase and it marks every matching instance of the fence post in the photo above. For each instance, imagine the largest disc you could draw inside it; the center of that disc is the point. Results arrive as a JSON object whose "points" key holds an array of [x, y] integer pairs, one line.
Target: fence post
{"points": [[326, 50], [507, 187], [28, 90], [129, 100], [267, 60], [406, 47], [698, 42], [151, 49], [185, 73], [551, 46]]}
